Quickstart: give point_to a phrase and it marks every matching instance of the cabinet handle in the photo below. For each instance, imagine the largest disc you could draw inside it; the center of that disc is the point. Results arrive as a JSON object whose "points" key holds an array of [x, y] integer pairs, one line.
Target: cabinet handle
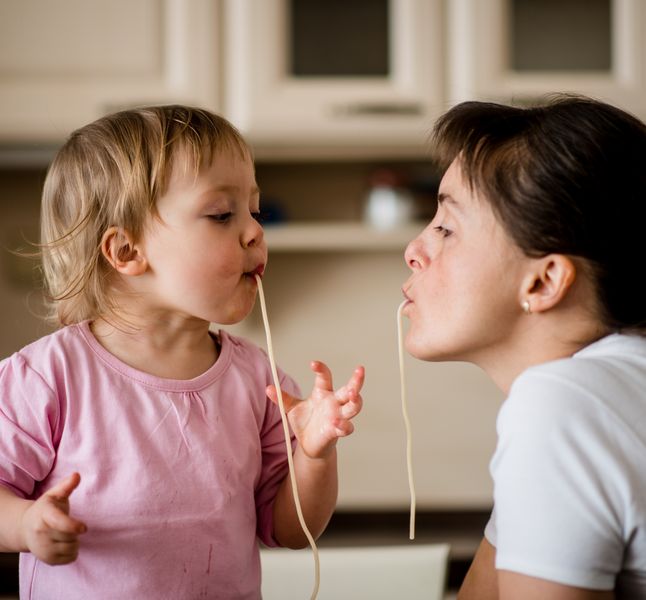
{"points": [[411, 109]]}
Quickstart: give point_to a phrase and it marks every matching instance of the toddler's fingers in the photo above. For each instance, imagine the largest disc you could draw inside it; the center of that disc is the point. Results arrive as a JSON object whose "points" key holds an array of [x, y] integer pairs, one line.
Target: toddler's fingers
{"points": [[64, 553], [352, 408], [64, 488], [343, 428], [357, 379], [289, 401], [323, 379], [58, 520], [60, 536], [350, 391]]}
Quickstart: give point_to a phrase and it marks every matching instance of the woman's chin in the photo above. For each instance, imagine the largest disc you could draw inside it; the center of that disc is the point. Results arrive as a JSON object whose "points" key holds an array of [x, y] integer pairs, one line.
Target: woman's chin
{"points": [[427, 350]]}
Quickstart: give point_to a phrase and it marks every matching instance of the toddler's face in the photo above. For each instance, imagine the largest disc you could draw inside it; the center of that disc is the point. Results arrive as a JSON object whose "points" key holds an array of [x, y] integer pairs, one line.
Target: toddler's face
{"points": [[203, 253]]}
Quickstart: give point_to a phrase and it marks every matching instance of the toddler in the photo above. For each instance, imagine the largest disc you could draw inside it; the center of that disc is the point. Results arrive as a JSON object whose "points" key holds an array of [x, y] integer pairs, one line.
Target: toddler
{"points": [[141, 454]]}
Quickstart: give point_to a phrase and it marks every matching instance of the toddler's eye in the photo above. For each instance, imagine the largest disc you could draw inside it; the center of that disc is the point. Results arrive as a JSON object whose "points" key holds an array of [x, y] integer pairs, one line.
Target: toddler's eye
{"points": [[443, 231], [221, 217], [259, 216]]}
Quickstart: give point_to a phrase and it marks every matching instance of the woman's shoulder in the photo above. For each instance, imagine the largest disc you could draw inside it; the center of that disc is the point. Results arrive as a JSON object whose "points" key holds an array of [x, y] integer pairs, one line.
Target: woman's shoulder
{"points": [[608, 366], [601, 386]]}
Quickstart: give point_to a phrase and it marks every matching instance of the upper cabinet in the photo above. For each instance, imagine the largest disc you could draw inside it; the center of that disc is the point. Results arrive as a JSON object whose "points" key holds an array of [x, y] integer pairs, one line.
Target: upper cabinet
{"points": [[520, 50], [65, 63], [329, 78], [304, 72]]}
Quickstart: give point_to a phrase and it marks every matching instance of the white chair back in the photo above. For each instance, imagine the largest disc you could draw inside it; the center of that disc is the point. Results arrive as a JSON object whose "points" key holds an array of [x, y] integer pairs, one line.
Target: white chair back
{"points": [[415, 572]]}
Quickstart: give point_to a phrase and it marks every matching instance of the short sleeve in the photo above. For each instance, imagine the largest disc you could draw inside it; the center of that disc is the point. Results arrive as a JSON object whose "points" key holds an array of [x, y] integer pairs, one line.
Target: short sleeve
{"points": [[274, 463], [29, 414], [557, 486], [490, 529]]}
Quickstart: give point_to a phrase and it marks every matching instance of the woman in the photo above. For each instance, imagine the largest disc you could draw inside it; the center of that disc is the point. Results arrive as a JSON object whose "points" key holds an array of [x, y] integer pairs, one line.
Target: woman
{"points": [[531, 269]]}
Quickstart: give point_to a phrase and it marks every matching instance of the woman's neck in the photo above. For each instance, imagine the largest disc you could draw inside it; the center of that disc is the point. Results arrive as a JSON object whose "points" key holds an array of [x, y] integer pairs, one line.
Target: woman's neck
{"points": [[549, 337]]}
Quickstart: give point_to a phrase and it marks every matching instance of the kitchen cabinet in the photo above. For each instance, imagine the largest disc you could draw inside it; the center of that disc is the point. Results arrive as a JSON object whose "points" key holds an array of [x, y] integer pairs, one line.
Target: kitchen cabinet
{"points": [[310, 79], [366, 74], [520, 50], [66, 63]]}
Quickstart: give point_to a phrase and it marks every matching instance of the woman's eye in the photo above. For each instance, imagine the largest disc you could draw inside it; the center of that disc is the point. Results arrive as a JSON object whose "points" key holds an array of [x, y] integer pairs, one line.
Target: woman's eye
{"points": [[443, 231], [221, 217]]}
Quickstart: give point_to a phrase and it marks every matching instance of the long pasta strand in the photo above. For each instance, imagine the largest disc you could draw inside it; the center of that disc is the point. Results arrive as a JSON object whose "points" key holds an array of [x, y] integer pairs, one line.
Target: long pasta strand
{"points": [[409, 435], [290, 459]]}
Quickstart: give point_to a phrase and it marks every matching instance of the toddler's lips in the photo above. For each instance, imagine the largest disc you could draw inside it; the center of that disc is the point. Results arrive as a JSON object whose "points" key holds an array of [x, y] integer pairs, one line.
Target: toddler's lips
{"points": [[259, 270]]}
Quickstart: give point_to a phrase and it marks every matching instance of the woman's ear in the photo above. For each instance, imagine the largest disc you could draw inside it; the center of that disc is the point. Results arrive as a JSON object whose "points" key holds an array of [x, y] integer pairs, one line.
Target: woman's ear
{"points": [[548, 283], [119, 249]]}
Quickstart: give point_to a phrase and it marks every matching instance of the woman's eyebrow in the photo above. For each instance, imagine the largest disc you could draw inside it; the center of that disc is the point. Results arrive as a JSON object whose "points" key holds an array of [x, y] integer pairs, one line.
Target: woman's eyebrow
{"points": [[443, 198]]}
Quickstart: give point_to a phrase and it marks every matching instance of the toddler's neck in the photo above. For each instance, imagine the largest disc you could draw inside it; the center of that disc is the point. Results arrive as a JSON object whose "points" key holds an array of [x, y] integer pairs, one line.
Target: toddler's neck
{"points": [[163, 349]]}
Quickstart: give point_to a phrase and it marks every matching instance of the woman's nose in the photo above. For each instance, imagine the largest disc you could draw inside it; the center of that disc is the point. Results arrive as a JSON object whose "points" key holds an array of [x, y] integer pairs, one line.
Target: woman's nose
{"points": [[413, 254]]}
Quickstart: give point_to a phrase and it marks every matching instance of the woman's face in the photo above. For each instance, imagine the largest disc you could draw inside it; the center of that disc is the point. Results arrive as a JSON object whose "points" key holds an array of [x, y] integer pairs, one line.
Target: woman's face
{"points": [[464, 291]]}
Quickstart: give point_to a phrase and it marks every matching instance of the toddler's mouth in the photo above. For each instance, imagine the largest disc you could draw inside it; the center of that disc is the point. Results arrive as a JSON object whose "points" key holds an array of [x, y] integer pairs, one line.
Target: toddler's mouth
{"points": [[259, 270]]}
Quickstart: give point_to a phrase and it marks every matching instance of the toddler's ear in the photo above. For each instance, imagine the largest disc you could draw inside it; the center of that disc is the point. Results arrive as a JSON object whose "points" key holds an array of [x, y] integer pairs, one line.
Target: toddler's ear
{"points": [[118, 248]]}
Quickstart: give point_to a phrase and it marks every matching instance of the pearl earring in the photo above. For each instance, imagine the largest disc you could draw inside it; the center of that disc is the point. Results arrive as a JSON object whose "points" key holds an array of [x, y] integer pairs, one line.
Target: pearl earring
{"points": [[527, 309]]}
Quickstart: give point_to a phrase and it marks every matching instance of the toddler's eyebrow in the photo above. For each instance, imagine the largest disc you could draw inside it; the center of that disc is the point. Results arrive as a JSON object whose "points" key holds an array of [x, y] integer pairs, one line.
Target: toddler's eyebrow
{"points": [[228, 188]]}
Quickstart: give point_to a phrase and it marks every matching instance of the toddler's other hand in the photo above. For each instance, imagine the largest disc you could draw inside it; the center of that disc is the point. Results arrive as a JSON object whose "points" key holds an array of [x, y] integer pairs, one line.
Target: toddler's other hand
{"points": [[326, 415], [48, 530]]}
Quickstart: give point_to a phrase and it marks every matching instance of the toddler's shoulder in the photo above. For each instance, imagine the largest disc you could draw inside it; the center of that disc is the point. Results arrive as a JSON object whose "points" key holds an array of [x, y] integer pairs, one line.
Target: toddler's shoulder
{"points": [[65, 338], [49, 351], [243, 348], [251, 357]]}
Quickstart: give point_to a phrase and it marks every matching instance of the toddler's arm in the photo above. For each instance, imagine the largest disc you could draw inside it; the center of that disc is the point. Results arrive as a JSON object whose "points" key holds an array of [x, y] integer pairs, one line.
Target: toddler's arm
{"points": [[317, 422], [42, 527]]}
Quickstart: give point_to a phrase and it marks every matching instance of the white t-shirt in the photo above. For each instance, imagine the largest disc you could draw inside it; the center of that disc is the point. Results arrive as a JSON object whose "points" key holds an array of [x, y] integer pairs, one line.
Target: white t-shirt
{"points": [[569, 470]]}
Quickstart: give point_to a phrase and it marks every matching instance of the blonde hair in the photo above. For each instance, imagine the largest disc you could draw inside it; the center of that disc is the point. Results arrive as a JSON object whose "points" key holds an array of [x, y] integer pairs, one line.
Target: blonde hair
{"points": [[110, 173]]}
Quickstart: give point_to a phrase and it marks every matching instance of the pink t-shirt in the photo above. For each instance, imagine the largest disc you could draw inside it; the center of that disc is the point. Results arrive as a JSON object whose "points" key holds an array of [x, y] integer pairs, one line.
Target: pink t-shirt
{"points": [[178, 477]]}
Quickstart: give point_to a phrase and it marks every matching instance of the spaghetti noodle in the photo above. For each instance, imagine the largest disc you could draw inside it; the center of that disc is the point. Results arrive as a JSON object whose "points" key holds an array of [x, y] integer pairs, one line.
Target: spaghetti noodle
{"points": [[290, 459], [409, 437]]}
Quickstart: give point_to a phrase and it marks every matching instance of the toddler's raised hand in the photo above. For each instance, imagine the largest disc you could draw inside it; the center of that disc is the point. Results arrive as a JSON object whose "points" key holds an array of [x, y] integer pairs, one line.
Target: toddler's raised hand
{"points": [[48, 530], [326, 415]]}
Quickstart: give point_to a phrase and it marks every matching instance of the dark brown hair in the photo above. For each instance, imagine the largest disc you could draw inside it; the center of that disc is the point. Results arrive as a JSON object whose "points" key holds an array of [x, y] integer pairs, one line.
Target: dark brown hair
{"points": [[566, 177]]}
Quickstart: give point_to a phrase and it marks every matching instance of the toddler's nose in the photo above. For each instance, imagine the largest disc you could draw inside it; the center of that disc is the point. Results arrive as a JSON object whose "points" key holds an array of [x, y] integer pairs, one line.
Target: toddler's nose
{"points": [[253, 234]]}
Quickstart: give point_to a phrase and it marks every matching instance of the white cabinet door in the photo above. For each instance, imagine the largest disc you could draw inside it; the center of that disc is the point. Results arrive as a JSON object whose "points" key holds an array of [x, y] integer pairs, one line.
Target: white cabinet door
{"points": [[273, 100], [520, 50], [65, 63]]}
